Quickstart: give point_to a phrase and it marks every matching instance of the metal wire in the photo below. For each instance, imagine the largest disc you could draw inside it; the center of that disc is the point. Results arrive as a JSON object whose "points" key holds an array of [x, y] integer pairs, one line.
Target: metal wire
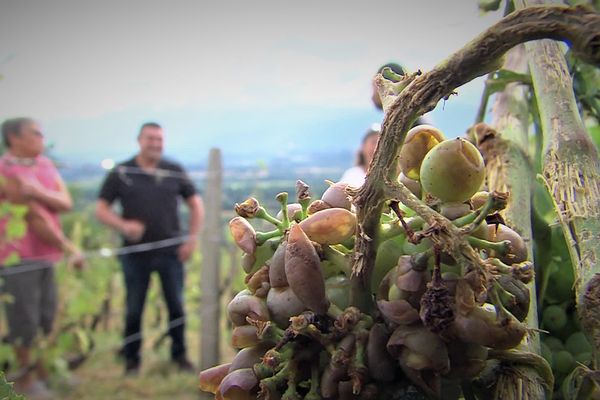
{"points": [[32, 263]]}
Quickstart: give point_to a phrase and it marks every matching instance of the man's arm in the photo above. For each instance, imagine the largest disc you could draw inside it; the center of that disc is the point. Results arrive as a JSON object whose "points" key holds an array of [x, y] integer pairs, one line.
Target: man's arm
{"points": [[196, 208], [58, 200], [133, 230]]}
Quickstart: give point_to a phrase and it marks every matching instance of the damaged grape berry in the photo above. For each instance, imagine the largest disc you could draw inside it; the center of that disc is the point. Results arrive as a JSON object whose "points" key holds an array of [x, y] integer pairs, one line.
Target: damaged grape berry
{"points": [[436, 316]]}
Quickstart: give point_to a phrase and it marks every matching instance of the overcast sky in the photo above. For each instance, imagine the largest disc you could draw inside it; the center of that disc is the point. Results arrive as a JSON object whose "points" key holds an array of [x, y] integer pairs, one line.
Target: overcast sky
{"points": [[92, 71]]}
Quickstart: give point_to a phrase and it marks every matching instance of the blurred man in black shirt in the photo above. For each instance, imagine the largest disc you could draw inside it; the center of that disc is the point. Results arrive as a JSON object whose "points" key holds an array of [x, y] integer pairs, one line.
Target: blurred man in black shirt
{"points": [[148, 188]]}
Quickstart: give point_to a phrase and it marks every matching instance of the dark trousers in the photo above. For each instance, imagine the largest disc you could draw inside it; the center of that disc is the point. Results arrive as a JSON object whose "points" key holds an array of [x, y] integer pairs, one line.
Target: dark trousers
{"points": [[137, 269]]}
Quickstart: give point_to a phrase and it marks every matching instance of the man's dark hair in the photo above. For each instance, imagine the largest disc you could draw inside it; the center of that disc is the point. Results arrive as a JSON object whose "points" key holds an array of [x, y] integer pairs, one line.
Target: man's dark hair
{"points": [[395, 67], [149, 125], [12, 127]]}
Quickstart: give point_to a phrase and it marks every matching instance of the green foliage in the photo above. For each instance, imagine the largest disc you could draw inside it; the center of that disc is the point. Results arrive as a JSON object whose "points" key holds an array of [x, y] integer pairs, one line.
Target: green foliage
{"points": [[489, 5], [16, 227], [6, 390], [595, 134], [503, 77], [586, 84]]}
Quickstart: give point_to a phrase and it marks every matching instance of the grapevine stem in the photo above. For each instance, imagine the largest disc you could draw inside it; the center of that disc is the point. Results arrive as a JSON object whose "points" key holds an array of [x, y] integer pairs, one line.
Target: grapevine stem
{"points": [[501, 248], [282, 198], [262, 237], [263, 214]]}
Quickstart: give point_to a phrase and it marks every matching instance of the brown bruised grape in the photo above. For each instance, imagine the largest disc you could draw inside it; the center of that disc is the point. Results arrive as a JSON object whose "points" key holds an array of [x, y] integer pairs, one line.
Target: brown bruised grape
{"points": [[258, 282], [413, 284], [466, 359], [303, 271], [246, 305], [244, 336], [518, 248], [335, 196], [294, 211], [248, 209], [482, 326], [211, 378], [413, 185], [454, 210], [243, 234], [246, 358], [238, 385], [398, 311], [277, 276], [425, 349], [316, 206], [453, 171], [330, 379], [518, 303], [381, 364], [331, 226], [283, 304], [419, 141]]}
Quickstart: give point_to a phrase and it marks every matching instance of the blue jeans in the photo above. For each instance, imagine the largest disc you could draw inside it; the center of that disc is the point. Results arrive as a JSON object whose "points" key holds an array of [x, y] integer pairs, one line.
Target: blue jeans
{"points": [[137, 269]]}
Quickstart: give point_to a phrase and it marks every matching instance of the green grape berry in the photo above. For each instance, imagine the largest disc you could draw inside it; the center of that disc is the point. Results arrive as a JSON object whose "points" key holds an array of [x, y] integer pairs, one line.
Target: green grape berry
{"points": [[546, 352], [584, 358], [554, 318], [577, 343], [419, 140], [563, 361], [553, 343], [453, 171], [557, 291]]}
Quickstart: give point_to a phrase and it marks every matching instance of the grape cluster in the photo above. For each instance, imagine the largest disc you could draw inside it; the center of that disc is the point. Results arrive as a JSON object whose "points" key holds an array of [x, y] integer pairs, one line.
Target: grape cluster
{"points": [[434, 316], [564, 345]]}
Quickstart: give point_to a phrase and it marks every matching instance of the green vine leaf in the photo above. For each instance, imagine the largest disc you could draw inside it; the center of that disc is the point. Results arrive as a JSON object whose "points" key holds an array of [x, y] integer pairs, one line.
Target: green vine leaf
{"points": [[502, 78], [6, 390], [489, 5], [595, 134]]}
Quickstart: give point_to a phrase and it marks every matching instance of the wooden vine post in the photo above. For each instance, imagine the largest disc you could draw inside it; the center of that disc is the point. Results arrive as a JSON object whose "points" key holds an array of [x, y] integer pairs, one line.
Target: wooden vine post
{"points": [[211, 255]]}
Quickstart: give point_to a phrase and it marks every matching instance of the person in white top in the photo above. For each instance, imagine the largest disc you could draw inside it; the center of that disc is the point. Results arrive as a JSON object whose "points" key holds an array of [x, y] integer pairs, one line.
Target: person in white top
{"points": [[355, 176]]}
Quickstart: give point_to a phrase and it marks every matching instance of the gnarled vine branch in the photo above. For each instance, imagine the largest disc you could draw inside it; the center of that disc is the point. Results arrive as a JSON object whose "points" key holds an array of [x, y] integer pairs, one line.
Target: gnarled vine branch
{"points": [[576, 25]]}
